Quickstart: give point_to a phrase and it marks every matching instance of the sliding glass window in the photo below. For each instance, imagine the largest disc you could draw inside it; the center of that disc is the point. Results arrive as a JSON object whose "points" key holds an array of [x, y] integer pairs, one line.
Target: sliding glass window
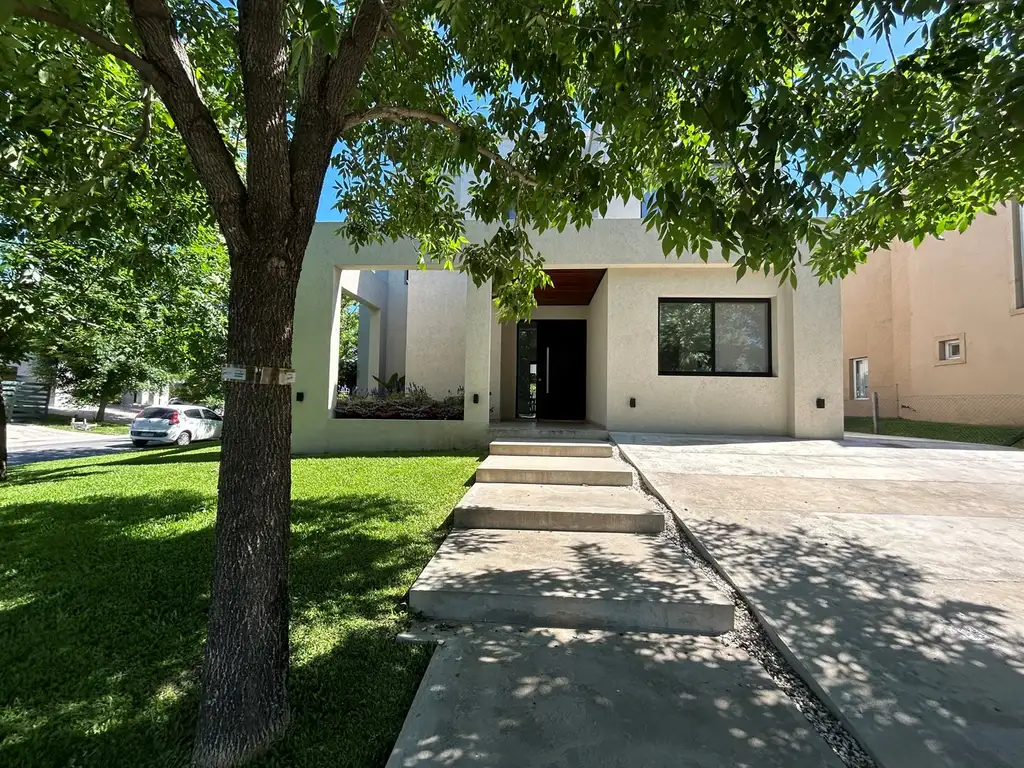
{"points": [[709, 337]]}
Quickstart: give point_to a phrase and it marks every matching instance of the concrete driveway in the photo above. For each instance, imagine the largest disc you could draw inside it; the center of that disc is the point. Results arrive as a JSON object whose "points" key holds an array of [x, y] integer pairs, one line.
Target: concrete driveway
{"points": [[891, 570], [29, 442]]}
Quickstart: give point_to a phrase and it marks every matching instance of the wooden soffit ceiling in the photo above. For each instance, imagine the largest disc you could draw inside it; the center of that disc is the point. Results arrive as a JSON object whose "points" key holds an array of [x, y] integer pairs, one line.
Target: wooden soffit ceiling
{"points": [[572, 287]]}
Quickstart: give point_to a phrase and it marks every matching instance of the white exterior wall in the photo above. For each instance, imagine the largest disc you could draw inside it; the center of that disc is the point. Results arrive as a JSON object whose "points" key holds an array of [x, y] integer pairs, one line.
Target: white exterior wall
{"points": [[622, 344], [597, 356], [435, 352], [694, 404], [395, 323]]}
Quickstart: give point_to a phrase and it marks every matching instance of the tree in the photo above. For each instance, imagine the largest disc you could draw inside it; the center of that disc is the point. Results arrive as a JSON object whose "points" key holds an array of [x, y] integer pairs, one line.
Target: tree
{"points": [[348, 342], [747, 119], [17, 323], [98, 326], [97, 364]]}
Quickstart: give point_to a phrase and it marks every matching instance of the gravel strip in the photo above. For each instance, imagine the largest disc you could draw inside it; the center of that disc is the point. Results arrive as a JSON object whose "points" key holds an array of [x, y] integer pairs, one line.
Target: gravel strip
{"points": [[750, 636]]}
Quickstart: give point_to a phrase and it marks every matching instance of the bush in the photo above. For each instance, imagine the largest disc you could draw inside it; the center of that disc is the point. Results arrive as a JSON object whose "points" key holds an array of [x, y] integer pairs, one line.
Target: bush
{"points": [[414, 404]]}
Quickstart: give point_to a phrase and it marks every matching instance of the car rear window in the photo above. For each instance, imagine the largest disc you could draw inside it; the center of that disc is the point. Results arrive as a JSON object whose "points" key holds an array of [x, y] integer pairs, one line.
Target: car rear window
{"points": [[156, 413]]}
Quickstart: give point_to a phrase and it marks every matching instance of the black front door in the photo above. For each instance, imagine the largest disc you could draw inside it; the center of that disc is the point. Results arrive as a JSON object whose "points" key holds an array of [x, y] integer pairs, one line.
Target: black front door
{"points": [[562, 370]]}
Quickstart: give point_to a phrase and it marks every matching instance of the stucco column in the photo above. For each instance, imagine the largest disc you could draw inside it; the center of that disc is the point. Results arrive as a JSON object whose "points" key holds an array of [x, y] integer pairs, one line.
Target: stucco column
{"points": [[478, 352], [816, 328], [370, 338], [315, 355]]}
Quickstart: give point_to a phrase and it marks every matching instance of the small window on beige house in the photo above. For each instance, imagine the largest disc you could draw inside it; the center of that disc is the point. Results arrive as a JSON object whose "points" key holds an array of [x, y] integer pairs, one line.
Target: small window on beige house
{"points": [[859, 378], [950, 349]]}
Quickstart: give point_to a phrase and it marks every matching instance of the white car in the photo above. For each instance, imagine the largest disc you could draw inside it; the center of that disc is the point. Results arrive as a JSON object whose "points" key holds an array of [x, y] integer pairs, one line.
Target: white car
{"points": [[178, 424]]}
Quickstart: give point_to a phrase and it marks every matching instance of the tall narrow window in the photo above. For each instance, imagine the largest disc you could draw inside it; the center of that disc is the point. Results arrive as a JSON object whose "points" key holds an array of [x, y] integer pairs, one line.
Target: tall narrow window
{"points": [[859, 378], [1018, 253], [729, 337]]}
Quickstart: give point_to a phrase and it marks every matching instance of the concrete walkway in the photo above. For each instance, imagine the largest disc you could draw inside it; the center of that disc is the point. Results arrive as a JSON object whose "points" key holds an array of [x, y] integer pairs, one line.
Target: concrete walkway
{"points": [[550, 593], [548, 697], [891, 570]]}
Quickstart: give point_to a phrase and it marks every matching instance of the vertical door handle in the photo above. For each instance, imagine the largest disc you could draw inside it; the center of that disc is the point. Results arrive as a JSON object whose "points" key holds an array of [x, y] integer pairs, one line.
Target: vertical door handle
{"points": [[547, 370]]}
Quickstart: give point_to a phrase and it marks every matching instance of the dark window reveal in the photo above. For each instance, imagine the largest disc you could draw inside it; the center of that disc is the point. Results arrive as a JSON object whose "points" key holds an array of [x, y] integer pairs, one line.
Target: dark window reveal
{"points": [[727, 337]]}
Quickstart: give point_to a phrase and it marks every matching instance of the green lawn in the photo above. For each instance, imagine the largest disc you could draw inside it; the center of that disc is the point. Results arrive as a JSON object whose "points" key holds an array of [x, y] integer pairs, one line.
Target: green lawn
{"points": [[937, 430], [104, 586], [64, 422]]}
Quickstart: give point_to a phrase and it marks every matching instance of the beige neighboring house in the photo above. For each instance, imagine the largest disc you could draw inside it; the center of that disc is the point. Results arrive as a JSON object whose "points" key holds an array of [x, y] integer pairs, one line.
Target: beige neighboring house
{"points": [[627, 340], [938, 330]]}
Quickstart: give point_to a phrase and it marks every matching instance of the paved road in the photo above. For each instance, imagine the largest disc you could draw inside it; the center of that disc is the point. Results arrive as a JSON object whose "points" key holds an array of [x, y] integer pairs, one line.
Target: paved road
{"points": [[892, 570], [27, 443]]}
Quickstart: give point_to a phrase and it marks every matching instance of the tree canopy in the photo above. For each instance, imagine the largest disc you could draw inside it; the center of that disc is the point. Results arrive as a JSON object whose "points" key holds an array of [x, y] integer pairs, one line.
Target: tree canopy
{"points": [[748, 120], [752, 124]]}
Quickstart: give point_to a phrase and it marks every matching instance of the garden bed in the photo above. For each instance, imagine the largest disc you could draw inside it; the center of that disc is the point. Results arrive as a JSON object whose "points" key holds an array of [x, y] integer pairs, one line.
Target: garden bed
{"points": [[413, 405]]}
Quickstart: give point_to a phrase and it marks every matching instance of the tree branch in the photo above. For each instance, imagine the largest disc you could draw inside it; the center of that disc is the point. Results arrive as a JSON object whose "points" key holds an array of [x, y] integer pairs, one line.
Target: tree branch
{"points": [[263, 54], [402, 114], [144, 68], [147, 119], [179, 92], [328, 89]]}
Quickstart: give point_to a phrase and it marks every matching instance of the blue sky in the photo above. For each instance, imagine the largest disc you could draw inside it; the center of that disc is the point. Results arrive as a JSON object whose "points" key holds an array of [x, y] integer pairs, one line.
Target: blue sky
{"points": [[876, 50]]}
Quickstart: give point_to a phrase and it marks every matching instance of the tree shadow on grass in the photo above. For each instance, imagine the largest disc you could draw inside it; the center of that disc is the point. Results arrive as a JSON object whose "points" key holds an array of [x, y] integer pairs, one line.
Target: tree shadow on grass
{"points": [[103, 615], [52, 471]]}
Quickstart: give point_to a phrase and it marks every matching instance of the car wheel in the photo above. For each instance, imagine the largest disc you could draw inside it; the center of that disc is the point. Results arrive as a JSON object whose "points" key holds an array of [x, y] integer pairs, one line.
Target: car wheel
{"points": [[184, 438], [140, 443]]}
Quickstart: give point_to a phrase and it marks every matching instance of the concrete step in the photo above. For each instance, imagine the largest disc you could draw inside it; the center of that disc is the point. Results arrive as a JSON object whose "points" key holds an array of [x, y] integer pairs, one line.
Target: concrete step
{"points": [[553, 470], [557, 508], [551, 448], [573, 580], [547, 431]]}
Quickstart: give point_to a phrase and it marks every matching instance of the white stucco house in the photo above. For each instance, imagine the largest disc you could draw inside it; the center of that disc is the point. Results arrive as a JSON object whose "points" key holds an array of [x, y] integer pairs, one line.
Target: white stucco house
{"points": [[627, 340]]}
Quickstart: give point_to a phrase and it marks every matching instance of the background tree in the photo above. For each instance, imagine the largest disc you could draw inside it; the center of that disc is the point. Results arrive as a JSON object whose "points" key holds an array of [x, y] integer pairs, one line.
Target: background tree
{"points": [[18, 318], [747, 118], [95, 365], [99, 324], [348, 342]]}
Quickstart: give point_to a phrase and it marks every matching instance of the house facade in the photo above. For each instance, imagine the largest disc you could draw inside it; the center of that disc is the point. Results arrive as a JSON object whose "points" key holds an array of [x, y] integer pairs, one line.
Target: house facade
{"points": [[938, 330], [626, 340]]}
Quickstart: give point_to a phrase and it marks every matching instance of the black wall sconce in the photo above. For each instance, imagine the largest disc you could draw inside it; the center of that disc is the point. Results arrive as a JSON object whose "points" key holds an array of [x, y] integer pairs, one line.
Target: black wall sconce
{"points": [[632, 402], [476, 398], [300, 396], [820, 402]]}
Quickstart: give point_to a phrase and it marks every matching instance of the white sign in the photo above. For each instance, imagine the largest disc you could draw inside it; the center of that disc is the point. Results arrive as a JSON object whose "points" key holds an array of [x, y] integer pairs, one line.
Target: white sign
{"points": [[286, 377], [233, 373]]}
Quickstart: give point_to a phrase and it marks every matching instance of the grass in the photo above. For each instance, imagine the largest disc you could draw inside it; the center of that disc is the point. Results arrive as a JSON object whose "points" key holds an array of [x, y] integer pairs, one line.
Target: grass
{"points": [[937, 430], [64, 422], [104, 588]]}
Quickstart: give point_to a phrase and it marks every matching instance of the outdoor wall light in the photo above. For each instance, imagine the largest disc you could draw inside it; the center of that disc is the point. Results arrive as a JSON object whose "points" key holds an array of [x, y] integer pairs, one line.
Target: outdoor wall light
{"points": [[821, 402], [476, 398], [300, 396], [632, 402]]}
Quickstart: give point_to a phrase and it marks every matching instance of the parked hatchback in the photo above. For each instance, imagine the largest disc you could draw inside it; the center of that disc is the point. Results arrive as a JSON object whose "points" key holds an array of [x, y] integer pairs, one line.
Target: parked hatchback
{"points": [[179, 423]]}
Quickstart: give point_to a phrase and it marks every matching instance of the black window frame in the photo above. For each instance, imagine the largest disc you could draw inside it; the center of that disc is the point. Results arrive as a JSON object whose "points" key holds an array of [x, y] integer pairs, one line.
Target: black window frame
{"points": [[712, 301]]}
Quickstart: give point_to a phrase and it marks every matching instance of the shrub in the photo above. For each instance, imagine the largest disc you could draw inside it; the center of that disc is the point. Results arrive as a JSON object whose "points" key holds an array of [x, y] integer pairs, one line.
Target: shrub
{"points": [[414, 404]]}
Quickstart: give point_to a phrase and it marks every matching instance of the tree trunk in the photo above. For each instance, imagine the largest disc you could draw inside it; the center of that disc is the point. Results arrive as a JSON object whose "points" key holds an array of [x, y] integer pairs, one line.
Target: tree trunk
{"points": [[3, 436], [244, 704], [101, 411]]}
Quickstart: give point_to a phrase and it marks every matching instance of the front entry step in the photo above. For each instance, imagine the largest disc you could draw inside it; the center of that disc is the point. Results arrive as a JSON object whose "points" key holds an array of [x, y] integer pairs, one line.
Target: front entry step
{"points": [[553, 470], [551, 448], [557, 508], [572, 580]]}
